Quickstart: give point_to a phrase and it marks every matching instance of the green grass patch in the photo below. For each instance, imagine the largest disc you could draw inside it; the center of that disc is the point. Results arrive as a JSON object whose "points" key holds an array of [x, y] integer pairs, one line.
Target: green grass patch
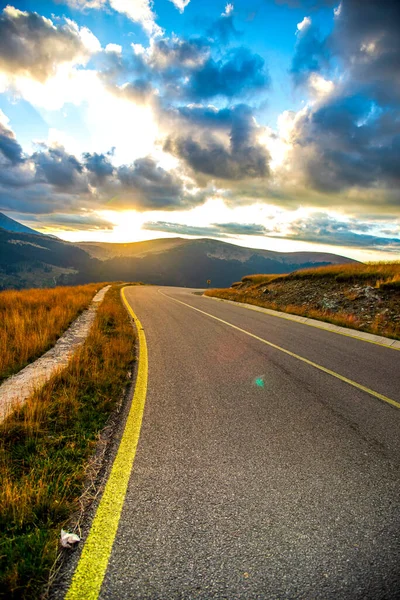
{"points": [[45, 447]]}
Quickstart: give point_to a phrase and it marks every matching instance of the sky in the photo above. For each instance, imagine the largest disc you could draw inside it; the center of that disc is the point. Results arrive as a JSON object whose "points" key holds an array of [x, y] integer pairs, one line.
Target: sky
{"points": [[270, 124]]}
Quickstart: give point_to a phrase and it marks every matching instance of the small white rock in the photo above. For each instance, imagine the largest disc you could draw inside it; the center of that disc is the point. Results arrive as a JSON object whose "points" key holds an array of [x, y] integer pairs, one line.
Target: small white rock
{"points": [[68, 540]]}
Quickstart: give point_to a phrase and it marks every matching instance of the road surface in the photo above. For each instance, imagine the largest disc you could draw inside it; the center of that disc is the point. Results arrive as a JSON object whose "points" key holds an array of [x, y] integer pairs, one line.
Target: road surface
{"points": [[258, 475]]}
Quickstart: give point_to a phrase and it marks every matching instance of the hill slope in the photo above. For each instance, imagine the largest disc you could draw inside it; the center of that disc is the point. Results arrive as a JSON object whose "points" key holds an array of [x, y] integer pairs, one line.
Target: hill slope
{"points": [[361, 296], [30, 260], [11, 225]]}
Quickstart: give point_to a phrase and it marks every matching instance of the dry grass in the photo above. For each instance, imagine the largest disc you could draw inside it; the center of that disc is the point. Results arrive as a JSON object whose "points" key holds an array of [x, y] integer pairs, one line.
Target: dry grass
{"points": [[260, 278], [378, 274], [45, 445], [307, 293], [31, 321], [381, 273]]}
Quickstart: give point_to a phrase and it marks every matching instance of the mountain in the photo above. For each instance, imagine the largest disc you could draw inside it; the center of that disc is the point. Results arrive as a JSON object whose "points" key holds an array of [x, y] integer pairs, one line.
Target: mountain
{"points": [[34, 260], [105, 250], [11, 225], [213, 249], [192, 262]]}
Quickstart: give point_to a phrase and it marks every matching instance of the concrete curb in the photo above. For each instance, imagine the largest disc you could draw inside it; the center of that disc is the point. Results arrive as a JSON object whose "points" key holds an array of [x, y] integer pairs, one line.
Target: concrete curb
{"points": [[361, 335]]}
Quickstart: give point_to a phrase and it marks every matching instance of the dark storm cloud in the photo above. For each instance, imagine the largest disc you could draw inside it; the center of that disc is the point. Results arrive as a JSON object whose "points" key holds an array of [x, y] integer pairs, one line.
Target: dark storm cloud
{"points": [[31, 45], [9, 146], [241, 157], [323, 229]]}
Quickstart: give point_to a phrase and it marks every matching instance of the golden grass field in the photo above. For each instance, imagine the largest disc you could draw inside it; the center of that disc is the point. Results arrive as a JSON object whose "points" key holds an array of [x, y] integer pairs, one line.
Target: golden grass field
{"points": [[365, 296], [45, 447], [377, 274], [32, 320]]}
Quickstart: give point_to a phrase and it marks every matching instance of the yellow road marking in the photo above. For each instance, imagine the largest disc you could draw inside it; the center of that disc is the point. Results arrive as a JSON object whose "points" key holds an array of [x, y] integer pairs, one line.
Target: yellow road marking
{"points": [[289, 317], [92, 565], [304, 360]]}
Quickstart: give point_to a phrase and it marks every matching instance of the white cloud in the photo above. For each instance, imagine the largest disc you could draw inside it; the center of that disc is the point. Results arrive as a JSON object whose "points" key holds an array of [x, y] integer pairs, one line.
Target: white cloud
{"points": [[88, 39], [4, 120], [114, 48], [180, 4], [139, 11], [138, 49], [81, 4], [306, 22], [319, 86], [337, 10], [228, 10]]}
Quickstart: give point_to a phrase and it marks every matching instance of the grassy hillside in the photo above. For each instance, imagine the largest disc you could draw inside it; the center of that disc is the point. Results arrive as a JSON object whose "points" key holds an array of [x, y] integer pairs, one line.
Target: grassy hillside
{"points": [[361, 296], [28, 260]]}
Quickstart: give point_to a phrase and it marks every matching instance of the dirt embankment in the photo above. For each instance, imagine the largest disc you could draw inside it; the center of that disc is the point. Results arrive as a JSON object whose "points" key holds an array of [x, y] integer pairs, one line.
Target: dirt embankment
{"points": [[362, 305]]}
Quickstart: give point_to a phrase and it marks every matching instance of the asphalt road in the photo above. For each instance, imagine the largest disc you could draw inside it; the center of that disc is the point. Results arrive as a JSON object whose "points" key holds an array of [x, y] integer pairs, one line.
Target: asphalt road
{"points": [[257, 475]]}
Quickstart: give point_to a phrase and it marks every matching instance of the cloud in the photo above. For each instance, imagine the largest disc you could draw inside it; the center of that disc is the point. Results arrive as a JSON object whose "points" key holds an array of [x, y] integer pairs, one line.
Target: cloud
{"points": [[176, 56], [243, 72], [53, 180], [223, 29], [60, 169], [236, 157], [186, 69], [366, 38], [180, 4], [32, 46], [311, 52], [324, 229], [87, 221], [346, 143], [138, 11], [9, 147], [220, 230], [99, 166], [144, 184], [242, 228], [181, 229]]}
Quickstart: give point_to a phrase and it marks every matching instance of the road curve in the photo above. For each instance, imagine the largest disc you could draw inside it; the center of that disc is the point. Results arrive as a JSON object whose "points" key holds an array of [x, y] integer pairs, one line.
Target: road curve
{"points": [[258, 475]]}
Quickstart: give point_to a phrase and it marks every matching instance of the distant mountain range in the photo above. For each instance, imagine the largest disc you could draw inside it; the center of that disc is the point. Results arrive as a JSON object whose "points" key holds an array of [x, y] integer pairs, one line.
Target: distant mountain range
{"points": [[31, 259]]}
